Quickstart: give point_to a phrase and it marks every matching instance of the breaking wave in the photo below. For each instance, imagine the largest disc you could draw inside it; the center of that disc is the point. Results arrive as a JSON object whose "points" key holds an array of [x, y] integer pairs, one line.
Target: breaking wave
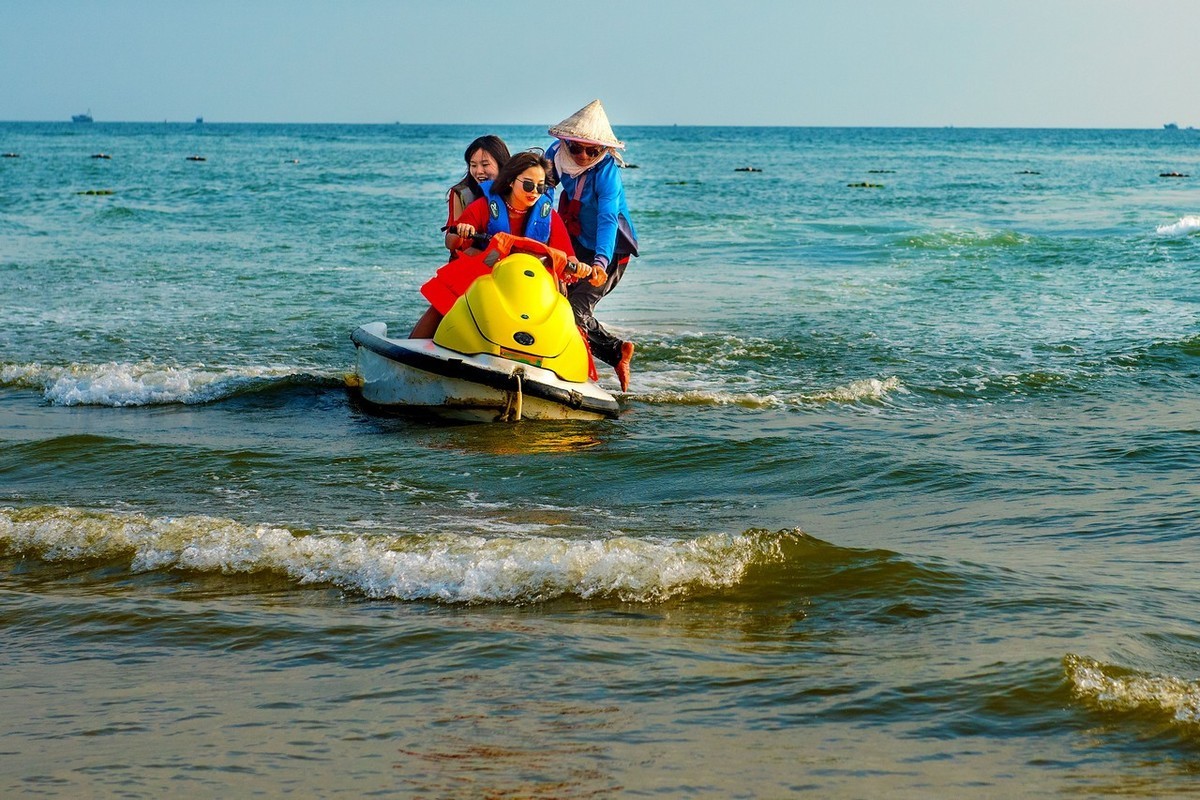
{"points": [[146, 383], [1184, 227], [441, 567], [1112, 688]]}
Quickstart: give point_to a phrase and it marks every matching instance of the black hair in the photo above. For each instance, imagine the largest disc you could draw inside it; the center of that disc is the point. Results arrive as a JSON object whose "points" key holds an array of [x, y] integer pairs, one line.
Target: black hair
{"points": [[515, 166], [495, 147]]}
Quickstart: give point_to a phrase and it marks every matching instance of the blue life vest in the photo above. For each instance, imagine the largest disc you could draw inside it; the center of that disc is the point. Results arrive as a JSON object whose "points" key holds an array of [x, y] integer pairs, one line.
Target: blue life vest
{"points": [[537, 219]]}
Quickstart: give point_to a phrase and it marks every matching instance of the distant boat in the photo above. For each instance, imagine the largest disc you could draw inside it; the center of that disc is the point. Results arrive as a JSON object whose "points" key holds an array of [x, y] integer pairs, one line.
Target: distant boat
{"points": [[83, 117], [199, 120], [1171, 126]]}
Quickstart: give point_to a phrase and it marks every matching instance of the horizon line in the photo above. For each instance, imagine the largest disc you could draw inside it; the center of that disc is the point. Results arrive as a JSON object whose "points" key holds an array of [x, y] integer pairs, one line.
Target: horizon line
{"points": [[194, 122]]}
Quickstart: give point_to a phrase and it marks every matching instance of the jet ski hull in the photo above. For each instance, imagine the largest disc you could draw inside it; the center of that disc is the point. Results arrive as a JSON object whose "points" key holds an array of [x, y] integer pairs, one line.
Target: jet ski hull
{"points": [[420, 376]]}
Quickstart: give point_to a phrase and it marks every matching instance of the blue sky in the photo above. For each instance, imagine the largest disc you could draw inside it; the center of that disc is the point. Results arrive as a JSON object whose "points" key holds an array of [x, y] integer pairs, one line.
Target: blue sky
{"points": [[1018, 63]]}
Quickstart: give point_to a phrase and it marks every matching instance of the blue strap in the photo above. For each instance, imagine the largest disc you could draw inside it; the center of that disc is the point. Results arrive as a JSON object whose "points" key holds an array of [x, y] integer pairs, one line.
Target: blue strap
{"points": [[537, 220]]}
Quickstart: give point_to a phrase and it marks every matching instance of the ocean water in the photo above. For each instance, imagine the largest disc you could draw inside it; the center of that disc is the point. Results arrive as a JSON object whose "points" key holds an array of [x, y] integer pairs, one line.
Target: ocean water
{"points": [[902, 502]]}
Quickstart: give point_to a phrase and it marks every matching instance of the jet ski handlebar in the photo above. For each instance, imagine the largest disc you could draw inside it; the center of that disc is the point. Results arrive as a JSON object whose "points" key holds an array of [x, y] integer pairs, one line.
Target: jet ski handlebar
{"points": [[580, 271], [478, 241]]}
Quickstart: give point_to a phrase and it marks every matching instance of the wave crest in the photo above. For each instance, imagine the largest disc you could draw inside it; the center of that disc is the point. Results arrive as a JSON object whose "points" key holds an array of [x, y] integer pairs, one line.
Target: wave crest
{"points": [[966, 239], [442, 567], [1115, 689], [867, 390], [1184, 227], [144, 383]]}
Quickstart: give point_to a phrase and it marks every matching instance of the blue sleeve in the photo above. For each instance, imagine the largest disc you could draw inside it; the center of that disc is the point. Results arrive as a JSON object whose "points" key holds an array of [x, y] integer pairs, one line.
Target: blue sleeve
{"points": [[609, 191]]}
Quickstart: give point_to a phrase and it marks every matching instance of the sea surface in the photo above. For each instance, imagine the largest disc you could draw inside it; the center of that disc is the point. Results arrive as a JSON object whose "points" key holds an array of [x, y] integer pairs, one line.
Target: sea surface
{"points": [[903, 501]]}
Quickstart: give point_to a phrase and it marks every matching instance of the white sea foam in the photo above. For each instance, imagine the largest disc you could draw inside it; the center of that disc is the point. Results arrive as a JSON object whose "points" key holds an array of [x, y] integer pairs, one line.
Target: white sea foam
{"points": [[138, 384], [708, 397], [443, 567], [865, 390], [857, 391], [1112, 689], [1184, 227]]}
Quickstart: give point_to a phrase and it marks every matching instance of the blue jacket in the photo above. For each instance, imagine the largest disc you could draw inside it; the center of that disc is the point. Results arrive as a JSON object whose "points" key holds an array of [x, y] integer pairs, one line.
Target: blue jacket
{"points": [[537, 219], [603, 210]]}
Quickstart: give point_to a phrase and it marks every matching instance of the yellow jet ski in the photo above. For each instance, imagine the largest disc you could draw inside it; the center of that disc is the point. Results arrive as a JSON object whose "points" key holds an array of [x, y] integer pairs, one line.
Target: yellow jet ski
{"points": [[508, 349]]}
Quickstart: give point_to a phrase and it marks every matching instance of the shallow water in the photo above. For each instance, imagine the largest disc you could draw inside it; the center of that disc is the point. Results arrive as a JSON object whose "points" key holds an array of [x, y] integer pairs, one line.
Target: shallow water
{"points": [[901, 500]]}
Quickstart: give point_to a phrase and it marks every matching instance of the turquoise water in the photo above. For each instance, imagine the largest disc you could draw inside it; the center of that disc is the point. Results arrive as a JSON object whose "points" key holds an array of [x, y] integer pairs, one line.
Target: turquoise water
{"points": [[901, 503]]}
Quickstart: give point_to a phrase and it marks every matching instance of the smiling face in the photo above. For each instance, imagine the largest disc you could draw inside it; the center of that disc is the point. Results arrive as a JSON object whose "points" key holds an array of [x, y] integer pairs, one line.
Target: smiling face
{"points": [[584, 154], [481, 166], [527, 188]]}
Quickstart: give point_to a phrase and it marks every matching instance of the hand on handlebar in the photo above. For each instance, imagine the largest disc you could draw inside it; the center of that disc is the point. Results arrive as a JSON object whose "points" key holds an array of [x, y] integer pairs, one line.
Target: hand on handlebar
{"points": [[465, 230], [594, 274]]}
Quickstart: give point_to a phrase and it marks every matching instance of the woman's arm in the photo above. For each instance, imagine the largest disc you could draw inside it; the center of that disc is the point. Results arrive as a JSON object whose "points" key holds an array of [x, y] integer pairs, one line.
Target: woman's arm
{"points": [[456, 208], [608, 190], [472, 219]]}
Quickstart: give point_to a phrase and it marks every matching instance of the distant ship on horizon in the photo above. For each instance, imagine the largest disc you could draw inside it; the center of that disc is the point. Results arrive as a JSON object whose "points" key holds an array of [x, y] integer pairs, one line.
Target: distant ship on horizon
{"points": [[87, 117]]}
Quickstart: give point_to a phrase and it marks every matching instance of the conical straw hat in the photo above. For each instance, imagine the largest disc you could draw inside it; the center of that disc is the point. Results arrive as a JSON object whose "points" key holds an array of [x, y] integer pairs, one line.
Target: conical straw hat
{"points": [[588, 125]]}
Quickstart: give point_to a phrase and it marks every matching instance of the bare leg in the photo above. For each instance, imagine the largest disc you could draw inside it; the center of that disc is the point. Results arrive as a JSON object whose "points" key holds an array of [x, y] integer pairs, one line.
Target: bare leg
{"points": [[427, 325], [622, 366]]}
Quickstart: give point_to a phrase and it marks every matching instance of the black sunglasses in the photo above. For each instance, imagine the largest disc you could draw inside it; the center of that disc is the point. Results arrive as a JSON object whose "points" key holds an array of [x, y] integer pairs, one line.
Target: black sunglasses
{"points": [[576, 148], [530, 186]]}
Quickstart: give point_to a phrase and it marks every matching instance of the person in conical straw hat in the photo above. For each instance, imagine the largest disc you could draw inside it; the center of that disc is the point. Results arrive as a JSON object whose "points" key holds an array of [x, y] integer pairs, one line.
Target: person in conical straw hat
{"points": [[589, 125], [593, 206]]}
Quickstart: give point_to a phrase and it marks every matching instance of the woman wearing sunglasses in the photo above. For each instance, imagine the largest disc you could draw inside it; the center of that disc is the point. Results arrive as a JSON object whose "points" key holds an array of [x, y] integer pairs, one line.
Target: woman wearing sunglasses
{"points": [[517, 203], [595, 212]]}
